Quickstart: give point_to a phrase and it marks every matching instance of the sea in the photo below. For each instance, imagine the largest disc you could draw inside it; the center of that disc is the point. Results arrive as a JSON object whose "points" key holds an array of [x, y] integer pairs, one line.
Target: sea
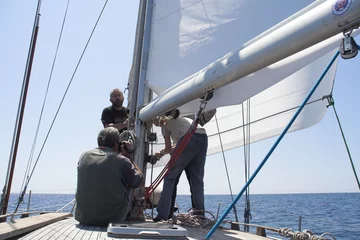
{"points": [[335, 213]]}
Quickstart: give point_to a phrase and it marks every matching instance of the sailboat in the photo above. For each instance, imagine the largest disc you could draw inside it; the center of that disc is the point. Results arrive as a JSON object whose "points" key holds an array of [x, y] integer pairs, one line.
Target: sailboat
{"points": [[258, 59]]}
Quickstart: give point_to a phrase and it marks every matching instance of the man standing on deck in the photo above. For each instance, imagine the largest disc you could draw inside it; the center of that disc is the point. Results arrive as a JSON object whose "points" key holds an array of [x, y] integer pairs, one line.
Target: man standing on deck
{"points": [[104, 180], [191, 159], [116, 115]]}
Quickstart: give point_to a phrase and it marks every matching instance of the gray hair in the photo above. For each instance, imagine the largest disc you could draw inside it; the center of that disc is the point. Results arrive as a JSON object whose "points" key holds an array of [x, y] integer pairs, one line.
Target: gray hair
{"points": [[115, 90], [108, 137]]}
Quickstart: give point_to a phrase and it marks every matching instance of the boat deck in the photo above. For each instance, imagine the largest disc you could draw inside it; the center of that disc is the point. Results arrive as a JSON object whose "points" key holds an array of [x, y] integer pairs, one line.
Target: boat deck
{"points": [[69, 228]]}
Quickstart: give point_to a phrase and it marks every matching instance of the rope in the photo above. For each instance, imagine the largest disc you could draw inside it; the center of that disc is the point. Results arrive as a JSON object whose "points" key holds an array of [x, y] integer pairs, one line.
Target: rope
{"points": [[274, 146], [332, 103], [198, 218], [50, 207], [191, 218], [178, 150], [194, 218], [40, 212], [182, 144], [226, 169], [304, 235], [66, 205], [327, 234]]}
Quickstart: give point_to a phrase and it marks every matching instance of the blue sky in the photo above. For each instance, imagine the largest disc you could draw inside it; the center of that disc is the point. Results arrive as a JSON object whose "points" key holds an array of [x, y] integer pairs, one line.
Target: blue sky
{"points": [[311, 160]]}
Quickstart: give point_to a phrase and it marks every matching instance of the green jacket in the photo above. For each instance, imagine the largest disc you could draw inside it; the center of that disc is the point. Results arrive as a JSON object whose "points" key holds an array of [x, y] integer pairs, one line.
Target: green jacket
{"points": [[103, 184]]}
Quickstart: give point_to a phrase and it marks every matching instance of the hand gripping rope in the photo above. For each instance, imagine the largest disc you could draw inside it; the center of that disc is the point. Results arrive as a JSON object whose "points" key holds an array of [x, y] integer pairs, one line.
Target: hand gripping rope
{"points": [[178, 150]]}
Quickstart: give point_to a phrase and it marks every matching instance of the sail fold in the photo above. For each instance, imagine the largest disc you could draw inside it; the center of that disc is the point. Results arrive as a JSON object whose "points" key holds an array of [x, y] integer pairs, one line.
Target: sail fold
{"points": [[188, 35]]}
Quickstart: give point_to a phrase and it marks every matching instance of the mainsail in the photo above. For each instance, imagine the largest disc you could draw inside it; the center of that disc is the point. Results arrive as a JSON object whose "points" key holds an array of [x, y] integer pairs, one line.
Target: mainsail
{"points": [[187, 35]]}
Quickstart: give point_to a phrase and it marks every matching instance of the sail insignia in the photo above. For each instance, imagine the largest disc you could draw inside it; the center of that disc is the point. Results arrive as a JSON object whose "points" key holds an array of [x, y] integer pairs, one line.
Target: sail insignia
{"points": [[341, 6]]}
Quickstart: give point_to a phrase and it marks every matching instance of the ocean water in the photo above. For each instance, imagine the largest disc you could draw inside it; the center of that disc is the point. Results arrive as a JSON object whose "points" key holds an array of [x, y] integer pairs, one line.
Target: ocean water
{"points": [[336, 213]]}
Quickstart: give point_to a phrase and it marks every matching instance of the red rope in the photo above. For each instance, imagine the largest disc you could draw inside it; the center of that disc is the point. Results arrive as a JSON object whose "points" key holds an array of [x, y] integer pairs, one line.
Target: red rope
{"points": [[169, 164], [168, 167], [177, 152]]}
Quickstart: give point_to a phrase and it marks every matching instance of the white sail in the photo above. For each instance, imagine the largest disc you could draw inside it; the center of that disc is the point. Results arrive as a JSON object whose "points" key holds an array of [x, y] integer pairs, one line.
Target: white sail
{"points": [[188, 35]]}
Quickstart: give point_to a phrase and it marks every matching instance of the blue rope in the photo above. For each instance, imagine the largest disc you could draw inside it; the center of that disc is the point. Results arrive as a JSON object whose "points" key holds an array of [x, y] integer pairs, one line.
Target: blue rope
{"points": [[212, 230]]}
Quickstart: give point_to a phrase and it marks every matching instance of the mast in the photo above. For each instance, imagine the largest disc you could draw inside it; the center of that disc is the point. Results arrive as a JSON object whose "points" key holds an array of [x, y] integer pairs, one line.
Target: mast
{"points": [[19, 118], [143, 94], [141, 91], [135, 69]]}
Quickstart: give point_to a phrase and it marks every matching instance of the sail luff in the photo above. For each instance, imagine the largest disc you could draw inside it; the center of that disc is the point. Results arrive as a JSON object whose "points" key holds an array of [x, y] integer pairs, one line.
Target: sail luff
{"points": [[135, 69], [143, 97], [143, 90], [312, 27]]}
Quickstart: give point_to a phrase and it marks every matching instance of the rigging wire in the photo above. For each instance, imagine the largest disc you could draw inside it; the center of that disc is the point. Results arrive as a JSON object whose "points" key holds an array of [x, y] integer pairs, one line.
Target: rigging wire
{"points": [[257, 170], [247, 213], [249, 135], [243, 128], [245, 157], [151, 174], [266, 117], [332, 103], [44, 102], [255, 121], [20, 113], [246, 137], [226, 169], [67, 89]]}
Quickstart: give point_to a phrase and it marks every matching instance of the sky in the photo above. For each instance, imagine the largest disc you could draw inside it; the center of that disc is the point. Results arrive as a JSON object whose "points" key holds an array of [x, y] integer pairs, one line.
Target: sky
{"points": [[313, 160]]}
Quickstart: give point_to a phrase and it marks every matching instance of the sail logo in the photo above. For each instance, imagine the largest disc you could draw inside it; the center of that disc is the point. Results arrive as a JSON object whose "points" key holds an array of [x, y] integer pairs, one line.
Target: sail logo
{"points": [[341, 6]]}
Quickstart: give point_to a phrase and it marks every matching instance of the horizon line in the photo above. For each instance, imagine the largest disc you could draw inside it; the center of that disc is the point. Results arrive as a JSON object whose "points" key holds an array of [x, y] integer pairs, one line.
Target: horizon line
{"points": [[211, 194]]}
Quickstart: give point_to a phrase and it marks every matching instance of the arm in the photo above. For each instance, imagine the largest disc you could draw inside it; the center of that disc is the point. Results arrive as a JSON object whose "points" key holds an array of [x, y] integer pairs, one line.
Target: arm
{"points": [[125, 146], [118, 125], [168, 148], [131, 174], [107, 120]]}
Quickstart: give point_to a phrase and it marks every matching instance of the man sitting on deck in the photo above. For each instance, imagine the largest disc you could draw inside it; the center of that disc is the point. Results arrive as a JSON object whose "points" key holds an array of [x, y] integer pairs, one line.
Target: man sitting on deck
{"points": [[105, 178]]}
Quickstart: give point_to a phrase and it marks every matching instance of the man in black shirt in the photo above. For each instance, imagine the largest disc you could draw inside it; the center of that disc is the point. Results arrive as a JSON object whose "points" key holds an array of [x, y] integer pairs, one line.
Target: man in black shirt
{"points": [[116, 115]]}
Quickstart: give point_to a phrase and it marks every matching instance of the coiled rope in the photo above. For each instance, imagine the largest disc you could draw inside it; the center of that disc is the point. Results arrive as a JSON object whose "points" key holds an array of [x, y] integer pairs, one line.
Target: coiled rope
{"points": [[194, 218], [129, 135], [304, 235], [198, 218]]}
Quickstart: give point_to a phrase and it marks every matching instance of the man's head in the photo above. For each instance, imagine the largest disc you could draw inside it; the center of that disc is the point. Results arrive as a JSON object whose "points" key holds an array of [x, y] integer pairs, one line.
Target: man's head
{"points": [[117, 97], [109, 137], [160, 121]]}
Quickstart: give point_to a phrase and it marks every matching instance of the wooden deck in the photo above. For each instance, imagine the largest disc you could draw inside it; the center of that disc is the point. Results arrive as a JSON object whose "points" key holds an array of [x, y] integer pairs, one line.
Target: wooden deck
{"points": [[69, 228], [24, 225]]}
